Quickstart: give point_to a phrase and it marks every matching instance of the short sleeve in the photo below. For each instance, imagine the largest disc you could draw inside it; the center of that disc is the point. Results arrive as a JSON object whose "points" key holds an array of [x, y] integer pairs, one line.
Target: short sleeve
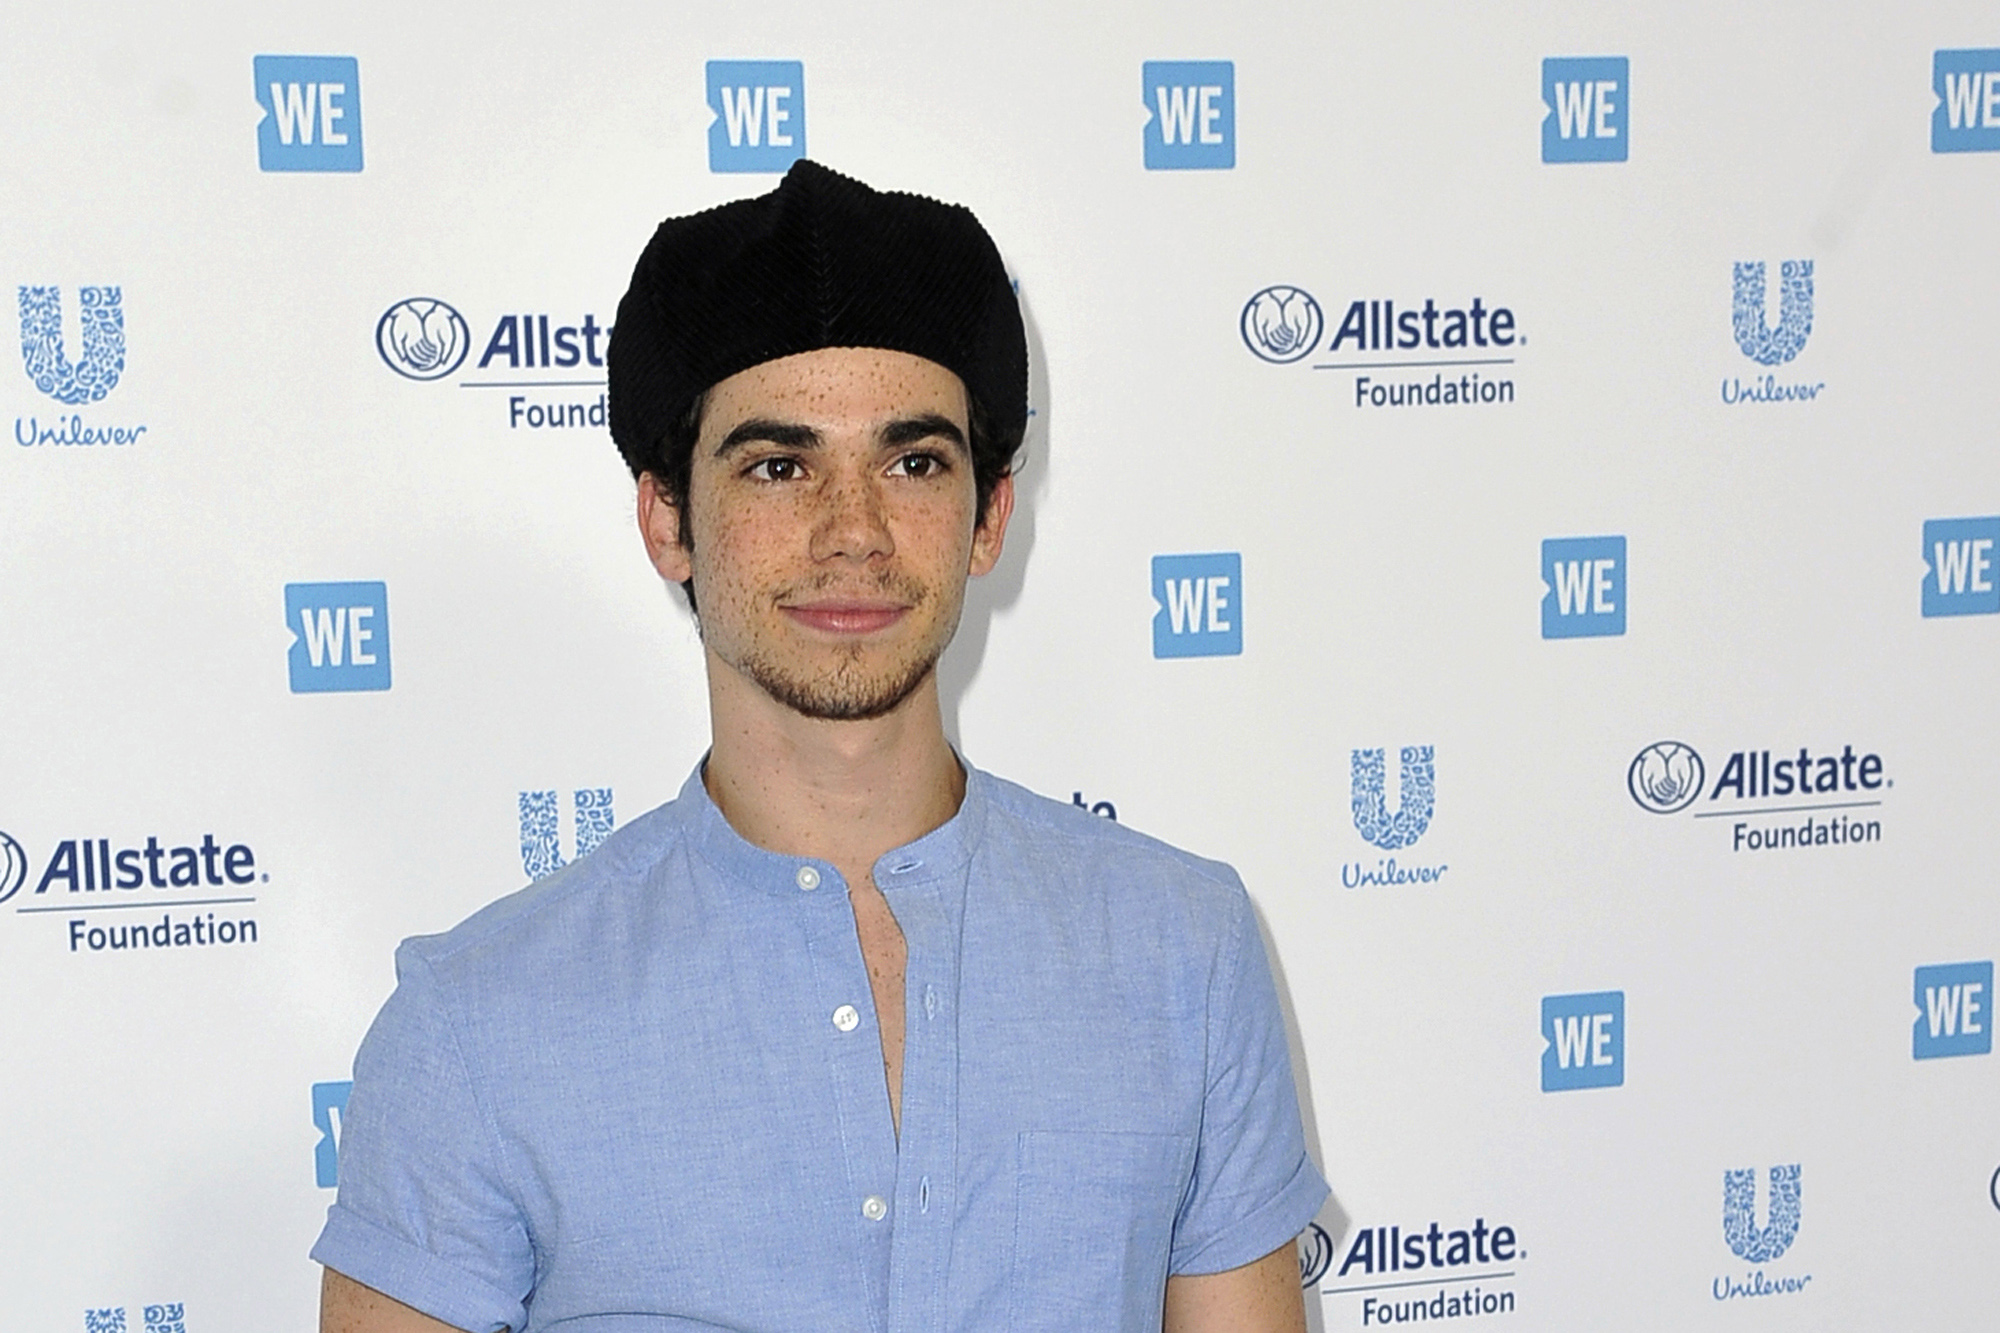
{"points": [[1254, 1187], [423, 1214]]}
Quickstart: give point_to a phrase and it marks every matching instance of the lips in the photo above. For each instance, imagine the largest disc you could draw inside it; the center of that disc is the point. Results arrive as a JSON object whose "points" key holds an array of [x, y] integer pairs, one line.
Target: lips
{"points": [[847, 616]]}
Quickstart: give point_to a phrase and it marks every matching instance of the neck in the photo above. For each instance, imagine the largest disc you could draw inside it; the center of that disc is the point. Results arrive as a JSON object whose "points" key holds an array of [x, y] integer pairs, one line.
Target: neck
{"points": [[845, 792]]}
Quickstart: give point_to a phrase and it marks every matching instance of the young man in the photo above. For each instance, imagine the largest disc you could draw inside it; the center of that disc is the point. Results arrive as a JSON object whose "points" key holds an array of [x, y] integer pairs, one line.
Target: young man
{"points": [[850, 1035]]}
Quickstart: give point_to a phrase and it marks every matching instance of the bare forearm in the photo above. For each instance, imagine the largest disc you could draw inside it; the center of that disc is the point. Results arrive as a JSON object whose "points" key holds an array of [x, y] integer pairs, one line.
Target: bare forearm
{"points": [[346, 1306], [1259, 1297]]}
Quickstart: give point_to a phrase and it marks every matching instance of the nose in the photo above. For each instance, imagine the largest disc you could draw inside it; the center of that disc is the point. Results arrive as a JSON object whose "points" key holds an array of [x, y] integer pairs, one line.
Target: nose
{"points": [[853, 522]]}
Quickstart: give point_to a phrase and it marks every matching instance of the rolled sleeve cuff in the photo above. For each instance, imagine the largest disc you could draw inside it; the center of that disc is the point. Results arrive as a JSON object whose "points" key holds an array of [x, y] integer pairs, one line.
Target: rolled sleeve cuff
{"points": [[1252, 1237], [375, 1257]]}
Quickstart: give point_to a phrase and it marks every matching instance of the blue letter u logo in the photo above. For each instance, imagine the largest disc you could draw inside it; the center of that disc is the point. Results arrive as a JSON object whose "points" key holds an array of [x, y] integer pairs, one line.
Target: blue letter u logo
{"points": [[95, 373], [1761, 343], [541, 840], [1739, 1204], [1371, 812]]}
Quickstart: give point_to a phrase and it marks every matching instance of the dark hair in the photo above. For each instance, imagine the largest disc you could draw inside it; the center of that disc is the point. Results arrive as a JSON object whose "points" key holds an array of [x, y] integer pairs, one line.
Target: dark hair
{"points": [[672, 464]]}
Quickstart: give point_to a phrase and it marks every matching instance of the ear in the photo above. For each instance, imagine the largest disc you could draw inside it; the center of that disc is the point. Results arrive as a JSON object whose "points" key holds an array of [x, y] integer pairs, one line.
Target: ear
{"points": [[991, 533], [660, 527]]}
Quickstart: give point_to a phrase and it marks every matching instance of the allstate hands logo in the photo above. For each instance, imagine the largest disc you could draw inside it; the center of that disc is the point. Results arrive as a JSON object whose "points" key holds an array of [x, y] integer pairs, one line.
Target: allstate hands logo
{"points": [[1739, 1205], [1760, 342], [1282, 324], [1371, 809], [422, 337], [1665, 777], [101, 317], [13, 867], [1315, 1255]]}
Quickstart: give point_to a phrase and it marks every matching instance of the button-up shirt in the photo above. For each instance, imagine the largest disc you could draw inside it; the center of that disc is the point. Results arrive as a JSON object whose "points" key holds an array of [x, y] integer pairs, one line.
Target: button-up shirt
{"points": [[647, 1093]]}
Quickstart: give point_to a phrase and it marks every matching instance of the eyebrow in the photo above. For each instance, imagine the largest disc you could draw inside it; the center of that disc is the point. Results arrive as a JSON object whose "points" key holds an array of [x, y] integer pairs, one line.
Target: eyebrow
{"points": [[764, 430], [792, 435]]}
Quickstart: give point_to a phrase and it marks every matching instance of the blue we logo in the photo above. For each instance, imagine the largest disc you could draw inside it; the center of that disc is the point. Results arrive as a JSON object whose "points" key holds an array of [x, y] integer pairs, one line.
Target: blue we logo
{"points": [[1200, 605], [1954, 1004], [1967, 84], [312, 113], [1583, 587], [1585, 110], [1959, 553], [1584, 1038], [340, 636], [329, 1109], [760, 114], [1190, 114]]}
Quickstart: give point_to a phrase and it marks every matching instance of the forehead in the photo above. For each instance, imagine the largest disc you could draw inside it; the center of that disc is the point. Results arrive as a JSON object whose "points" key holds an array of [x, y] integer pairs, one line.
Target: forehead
{"points": [[837, 385]]}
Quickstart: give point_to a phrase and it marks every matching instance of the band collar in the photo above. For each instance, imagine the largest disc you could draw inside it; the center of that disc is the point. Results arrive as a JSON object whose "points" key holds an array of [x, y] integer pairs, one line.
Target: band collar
{"points": [[943, 850]]}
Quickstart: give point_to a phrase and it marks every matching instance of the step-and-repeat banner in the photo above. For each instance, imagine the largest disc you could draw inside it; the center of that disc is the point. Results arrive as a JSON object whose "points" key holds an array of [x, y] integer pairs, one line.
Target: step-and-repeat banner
{"points": [[1522, 485]]}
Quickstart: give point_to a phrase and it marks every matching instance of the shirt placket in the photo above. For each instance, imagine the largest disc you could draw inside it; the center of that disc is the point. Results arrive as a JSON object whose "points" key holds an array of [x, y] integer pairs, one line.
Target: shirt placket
{"points": [[926, 1184], [860, 1113]]}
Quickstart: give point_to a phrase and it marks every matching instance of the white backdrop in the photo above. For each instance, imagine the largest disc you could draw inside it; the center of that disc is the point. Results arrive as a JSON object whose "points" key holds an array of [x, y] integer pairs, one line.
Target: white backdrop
{"points": [[159, 1156]]}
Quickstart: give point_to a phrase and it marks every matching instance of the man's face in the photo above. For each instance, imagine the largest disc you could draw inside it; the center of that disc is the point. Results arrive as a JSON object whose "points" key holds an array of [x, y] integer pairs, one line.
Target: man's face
{"points": [[833, 518]]}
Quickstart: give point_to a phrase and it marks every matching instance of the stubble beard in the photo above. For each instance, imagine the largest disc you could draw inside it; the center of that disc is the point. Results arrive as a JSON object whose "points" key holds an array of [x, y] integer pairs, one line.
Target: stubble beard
{"points": [[848, 690], [844, 694]]}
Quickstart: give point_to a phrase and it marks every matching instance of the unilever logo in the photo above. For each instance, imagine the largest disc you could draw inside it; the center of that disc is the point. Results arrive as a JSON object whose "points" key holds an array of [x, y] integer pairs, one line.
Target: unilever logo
{"points": [[541, 838], [1739, 1201], [1760, 342], [422, 337], [1665, 777], [1371, 812], [13, 867], [1315, 1255], [162, 1318], [101, 315], [1282, 324]]}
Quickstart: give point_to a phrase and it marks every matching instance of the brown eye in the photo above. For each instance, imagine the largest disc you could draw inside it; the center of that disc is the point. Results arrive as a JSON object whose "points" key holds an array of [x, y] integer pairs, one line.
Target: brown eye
{"points": [[775, 469], [920, 465]]}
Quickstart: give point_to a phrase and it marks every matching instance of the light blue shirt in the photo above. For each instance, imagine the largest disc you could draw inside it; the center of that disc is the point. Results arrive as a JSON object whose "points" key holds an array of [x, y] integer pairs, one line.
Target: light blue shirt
{"points": [[646, 1093]]}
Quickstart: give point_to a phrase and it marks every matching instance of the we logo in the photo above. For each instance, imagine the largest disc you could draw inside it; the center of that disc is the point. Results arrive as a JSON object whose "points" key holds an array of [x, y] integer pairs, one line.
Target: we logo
{"points": [[312, 113], [1961, 579], [760, 114], [329, 1110], [1583, 581], [1200, 605], [1585, 113], [340, 636], [1954, 1007], [1190, 114], [1585, 1036]]}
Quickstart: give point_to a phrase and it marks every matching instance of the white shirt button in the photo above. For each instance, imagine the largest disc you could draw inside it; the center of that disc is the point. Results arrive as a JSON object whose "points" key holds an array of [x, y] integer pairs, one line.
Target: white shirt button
{"points": [[845, 1018], [874, 1208], [808, 878]]}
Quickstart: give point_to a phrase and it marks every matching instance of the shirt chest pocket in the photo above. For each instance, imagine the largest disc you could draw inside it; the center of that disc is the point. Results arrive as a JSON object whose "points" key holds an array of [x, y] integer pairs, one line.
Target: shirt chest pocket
{"points": [[1094, 1218]]}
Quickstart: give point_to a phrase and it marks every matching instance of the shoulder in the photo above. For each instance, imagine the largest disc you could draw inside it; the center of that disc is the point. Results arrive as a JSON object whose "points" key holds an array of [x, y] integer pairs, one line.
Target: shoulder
{"points": [[561, 910], [1086, 858]]}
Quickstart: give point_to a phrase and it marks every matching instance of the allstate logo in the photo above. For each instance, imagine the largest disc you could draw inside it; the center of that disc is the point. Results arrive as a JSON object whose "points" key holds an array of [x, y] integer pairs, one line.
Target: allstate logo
{"points": [[1739, 1204], [101, 317], [1371, 807], [1760, 342], [1665, 777], [423, 338], [1315, 1255], [13, 867], [1282, 324]]}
